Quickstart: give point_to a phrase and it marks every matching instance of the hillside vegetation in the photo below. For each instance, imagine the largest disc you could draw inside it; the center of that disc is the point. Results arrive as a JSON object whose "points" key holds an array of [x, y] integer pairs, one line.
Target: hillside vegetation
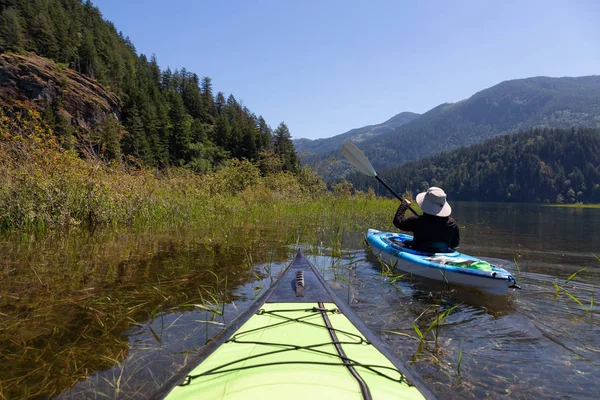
{"points": [[43, 185], [160, 117], [540, 165]]}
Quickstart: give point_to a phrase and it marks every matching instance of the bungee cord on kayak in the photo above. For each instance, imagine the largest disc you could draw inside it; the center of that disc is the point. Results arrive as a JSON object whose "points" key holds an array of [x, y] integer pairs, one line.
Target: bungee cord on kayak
{"points": [[314, 311]]}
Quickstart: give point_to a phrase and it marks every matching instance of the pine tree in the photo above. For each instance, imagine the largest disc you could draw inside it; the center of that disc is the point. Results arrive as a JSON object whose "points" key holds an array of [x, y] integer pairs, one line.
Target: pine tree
{"points": [[167, 78], [222, 131], [192, 98], [135, 141], [61, 24], [181, 129], [106, 139], [155, 71], [88, 57], [220, 102], [284, 148], [209, 110], [266, 134], [249, 148]]}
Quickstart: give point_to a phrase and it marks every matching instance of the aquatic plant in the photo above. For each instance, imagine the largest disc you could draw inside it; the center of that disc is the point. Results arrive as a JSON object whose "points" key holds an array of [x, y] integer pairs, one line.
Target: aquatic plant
{"points": [[561, 288], [388, 269], [433, 328], [458, 361]]}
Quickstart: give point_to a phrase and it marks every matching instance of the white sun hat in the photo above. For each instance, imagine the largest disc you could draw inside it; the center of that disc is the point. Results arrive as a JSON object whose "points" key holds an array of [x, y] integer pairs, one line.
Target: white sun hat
{"points": [[433, 202]]}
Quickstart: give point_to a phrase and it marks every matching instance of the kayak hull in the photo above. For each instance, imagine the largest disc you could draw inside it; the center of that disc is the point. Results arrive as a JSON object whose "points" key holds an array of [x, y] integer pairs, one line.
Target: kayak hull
{"points": [[298, 341], [450, 267]]}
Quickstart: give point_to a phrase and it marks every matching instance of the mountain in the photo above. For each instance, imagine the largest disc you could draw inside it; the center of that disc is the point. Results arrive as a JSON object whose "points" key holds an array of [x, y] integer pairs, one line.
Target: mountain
{"points": [[502, 109], [539, 165], [321, 154], [356, 135]]}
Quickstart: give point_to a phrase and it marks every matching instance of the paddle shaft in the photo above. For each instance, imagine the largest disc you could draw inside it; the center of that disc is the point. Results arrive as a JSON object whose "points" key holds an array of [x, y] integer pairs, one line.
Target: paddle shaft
{"points": [[394, 193]]}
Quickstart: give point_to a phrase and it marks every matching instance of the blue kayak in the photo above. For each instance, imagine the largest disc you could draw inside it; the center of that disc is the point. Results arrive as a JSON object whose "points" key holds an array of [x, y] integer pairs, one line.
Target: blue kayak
{"points": [[453, 267]]}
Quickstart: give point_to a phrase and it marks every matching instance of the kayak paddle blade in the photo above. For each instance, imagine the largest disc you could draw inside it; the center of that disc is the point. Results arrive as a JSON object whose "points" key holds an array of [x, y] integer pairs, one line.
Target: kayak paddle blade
{"points": [[357, 158]]}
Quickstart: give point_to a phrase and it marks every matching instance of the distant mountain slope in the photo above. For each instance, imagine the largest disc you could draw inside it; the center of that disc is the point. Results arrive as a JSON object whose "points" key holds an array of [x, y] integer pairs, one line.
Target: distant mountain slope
{"points": [[540, 165], [505, 108], [356, 135]]}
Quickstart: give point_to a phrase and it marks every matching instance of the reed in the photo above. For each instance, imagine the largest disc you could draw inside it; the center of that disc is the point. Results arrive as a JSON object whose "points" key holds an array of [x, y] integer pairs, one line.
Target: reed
{"points": [[433, 328], [458, 361], [558, 288]]}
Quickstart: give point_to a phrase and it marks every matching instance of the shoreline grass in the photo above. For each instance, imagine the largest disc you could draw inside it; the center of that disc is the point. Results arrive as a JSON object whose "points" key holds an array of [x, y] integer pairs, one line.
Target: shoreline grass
{"points": [[574, 205]]}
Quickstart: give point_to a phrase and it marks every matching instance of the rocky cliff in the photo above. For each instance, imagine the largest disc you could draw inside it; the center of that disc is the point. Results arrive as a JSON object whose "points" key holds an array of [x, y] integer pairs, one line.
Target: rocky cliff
{"points": [[45, 85]]}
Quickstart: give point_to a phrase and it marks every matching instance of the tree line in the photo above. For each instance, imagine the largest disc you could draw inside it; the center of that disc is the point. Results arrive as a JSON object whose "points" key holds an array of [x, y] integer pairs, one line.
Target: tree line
{"points": [[167, 117], [542, 165]]}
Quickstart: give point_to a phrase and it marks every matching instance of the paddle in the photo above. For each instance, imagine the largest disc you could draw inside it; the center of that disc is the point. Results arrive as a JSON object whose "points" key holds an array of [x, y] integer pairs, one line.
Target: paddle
{"points": [[362, 163]]}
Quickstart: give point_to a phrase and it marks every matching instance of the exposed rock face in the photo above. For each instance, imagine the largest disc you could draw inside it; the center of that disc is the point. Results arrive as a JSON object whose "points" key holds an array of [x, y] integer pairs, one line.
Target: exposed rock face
{"points": [[43, 84]]}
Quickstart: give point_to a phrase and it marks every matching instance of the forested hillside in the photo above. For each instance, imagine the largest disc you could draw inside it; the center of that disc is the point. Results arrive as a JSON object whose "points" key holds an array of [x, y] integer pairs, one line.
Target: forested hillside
{"points": [[165, 117], [540, 165]]}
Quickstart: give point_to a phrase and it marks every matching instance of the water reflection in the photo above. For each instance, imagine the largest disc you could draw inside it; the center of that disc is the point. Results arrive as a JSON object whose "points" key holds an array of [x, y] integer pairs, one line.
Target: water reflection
{"points": [[118, 303], [551, 240]]}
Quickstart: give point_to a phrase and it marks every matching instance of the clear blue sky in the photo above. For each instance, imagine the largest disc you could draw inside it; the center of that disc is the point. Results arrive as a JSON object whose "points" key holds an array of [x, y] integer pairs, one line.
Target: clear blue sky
{"points": [[325, 67]]}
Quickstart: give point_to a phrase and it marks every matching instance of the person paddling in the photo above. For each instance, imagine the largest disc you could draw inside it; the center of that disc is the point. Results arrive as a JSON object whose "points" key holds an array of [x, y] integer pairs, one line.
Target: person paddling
{"points": [[434, 231]]}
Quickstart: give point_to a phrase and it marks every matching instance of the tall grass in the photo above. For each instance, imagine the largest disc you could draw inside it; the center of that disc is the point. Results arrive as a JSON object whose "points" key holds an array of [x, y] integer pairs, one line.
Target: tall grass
{"points": [[44, 186]]}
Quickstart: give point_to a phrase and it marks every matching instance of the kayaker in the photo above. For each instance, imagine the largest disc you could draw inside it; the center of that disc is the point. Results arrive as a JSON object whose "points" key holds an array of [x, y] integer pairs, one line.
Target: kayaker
{"points": [[435, 230]]}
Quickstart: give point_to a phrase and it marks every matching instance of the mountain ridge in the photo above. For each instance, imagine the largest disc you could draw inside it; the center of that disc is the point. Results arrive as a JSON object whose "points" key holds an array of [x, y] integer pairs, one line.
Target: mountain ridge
{"points": [[504, 108], [357, 134]]}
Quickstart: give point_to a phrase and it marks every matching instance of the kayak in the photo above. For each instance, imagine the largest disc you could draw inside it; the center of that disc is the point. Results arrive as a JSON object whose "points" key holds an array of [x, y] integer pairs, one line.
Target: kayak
{"points": [[453, 267], [299, 341]]}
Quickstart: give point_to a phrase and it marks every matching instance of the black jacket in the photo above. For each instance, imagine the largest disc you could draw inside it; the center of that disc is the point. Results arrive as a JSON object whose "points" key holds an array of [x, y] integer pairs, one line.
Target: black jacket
{"points": [[431, 233]]}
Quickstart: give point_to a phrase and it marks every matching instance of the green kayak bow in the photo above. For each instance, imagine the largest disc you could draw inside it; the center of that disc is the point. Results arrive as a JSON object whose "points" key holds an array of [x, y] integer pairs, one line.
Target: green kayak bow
{"points": [[299, 341]]}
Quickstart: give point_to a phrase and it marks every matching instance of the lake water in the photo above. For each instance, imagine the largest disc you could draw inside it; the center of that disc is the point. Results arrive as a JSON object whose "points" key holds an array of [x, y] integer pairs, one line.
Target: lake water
{"points": [[147, 314], [529, 345]]}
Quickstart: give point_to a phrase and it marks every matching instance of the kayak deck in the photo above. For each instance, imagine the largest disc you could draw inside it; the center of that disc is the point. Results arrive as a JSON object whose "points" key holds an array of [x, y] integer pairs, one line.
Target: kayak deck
{"points": [[299, 342], [286, 350]]}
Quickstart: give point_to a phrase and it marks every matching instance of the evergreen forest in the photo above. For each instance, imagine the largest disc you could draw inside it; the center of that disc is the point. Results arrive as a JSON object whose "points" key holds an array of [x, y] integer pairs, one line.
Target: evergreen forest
{"points": [[167, 117], [540, 165]]}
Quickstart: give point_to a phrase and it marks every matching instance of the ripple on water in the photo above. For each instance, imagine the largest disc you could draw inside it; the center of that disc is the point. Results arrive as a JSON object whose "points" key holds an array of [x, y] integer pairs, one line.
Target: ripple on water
{"points": [[527, 345]]}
